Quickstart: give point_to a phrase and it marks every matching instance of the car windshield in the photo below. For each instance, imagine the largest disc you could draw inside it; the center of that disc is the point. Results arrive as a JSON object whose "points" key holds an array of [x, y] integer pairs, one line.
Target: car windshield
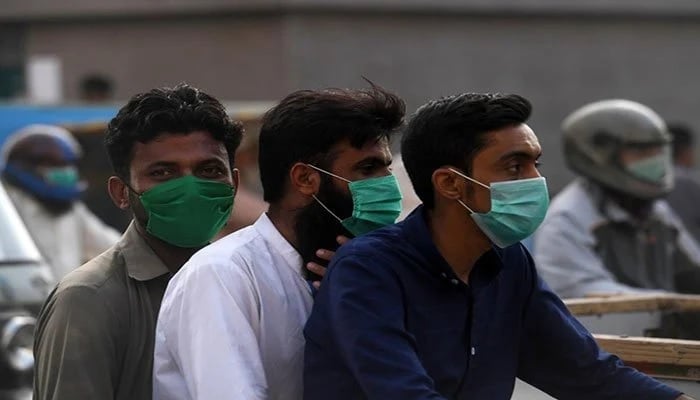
{"points": [[16, 246]]}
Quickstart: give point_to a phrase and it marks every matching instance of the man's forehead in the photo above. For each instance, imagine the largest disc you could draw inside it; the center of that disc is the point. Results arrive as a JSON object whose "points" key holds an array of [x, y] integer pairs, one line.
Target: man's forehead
{"points": [[514, 138], [173, 147], [379, 147]]}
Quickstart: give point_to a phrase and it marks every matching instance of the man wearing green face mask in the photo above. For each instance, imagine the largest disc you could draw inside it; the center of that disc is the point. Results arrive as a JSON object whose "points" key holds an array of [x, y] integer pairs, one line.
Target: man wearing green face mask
{"points": [[447, 304], [172, 151], [324, 165], [39, 165]]}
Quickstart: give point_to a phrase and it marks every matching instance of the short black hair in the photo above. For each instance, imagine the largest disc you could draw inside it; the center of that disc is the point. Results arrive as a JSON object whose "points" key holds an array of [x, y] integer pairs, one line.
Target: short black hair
{"points": [[306, 124], [683, 137], [179, 110], [451, 130]]}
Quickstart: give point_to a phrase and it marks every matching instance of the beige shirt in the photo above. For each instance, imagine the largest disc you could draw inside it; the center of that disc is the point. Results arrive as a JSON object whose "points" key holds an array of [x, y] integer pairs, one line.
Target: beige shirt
{"points": [[65, 241], [95, 333]]}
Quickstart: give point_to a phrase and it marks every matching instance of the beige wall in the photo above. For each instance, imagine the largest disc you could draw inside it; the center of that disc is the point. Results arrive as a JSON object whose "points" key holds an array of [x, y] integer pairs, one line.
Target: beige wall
{"points": [[234, 58], [558, 61]]}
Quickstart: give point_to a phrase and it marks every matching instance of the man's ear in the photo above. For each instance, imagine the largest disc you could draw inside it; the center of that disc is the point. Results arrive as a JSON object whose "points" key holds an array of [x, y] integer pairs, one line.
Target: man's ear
{"points": [[235, 179], [305, 179], [447, 184], [118, 192]]}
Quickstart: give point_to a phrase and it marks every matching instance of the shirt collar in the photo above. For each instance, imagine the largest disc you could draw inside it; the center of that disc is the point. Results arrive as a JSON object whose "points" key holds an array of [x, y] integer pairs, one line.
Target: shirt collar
{"points": [[273, 237], [142, 263], [415, 229]]}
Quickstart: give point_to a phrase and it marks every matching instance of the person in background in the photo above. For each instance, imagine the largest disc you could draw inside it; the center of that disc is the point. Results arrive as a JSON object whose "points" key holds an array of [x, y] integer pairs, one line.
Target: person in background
{"points": [[447, 304], [39, 165], [610, 231], [231, 322], [96, 88], [172, 152], [685, 195]]}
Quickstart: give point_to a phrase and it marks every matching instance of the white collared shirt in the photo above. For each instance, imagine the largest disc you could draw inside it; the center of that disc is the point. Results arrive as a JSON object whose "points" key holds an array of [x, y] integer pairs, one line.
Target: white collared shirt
{"points": [[231, 322]]}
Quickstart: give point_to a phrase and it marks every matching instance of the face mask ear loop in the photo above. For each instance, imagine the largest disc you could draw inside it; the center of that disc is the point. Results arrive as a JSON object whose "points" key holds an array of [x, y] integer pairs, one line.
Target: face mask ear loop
{"points": [[326, 208], [329, 173], [132, 189], [465, 206], [469, 179]]}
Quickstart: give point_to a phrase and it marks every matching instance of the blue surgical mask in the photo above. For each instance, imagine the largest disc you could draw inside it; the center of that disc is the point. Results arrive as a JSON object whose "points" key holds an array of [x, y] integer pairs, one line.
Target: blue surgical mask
{"points": [[376, 202], [652, 169], [518, 207]]}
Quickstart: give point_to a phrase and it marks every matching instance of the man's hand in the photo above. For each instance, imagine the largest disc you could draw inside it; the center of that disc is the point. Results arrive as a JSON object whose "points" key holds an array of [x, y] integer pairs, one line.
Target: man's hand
{"points": [[324, 255]]}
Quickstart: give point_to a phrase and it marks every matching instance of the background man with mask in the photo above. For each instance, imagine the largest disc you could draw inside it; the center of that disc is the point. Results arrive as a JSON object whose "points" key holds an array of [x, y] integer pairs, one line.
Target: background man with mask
{"points": [[172, 151], [447, 304], [324, 164], [609, 231], [39, 165], [686, 186]]}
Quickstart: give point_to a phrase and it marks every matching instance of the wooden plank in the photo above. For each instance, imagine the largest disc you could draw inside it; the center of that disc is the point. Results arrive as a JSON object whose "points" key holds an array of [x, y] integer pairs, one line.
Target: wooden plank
{"points": [[633, 303], [663, 358]]}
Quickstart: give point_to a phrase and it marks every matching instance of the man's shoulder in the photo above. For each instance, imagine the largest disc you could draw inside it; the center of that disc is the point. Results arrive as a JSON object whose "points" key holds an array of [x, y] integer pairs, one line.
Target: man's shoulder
{"points": [[228, 259], [231, 250], [380, 246], [100, 275]]}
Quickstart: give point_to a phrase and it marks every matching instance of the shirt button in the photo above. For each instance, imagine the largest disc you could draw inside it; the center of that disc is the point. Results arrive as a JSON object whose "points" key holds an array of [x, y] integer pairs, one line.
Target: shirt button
{"points": [[454, 282], [473, 351], [444, 275]]}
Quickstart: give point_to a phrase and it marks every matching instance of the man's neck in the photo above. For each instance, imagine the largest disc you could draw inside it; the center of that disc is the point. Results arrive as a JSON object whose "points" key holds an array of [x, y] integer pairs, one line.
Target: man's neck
{"points": [[172, 256], [283, 219], [460, 242]]}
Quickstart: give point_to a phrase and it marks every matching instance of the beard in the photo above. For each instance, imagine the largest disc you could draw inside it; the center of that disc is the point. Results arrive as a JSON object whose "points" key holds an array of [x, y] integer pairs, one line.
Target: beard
{"points": [[316, 228]]}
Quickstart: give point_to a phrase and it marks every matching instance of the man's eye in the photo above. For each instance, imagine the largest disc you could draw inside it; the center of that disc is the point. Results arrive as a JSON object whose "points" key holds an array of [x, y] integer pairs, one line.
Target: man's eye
{"points": [[515, 168], [159, 173], [212, 171]]}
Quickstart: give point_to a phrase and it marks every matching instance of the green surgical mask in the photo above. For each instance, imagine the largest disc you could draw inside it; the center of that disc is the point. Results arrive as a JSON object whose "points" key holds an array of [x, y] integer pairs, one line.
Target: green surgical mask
{"points": [[376, 202], [652, 169], [62, 176], [518, 207], [188, 211]]}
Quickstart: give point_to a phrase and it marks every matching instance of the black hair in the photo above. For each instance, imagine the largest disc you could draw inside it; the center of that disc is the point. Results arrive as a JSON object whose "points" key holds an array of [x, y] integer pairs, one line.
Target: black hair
{"points": [[179, 110], [683, 138], [452, 130], [306, 124]]}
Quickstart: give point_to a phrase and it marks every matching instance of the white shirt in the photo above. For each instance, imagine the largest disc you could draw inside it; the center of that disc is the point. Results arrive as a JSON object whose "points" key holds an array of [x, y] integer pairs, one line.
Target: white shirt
{"points": [[231, 322], [65, 241]]}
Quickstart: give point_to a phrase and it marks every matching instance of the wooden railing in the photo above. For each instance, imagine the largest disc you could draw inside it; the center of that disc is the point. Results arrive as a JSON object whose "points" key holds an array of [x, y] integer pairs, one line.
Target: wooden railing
{"points": [[658, 357]]}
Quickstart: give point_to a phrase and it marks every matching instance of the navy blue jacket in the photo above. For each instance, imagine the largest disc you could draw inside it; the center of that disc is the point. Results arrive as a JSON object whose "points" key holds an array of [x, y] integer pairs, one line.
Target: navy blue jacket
{"points": [[392, 321]]}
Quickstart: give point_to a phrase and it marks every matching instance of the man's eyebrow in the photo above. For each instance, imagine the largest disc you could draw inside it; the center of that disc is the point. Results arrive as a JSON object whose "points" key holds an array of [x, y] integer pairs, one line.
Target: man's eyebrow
{"points": [[519, 154], [211, 160], [161, 164], [375, 160]]}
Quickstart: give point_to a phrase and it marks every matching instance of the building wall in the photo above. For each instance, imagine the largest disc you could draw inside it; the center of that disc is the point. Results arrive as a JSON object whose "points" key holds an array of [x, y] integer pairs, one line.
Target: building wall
{"points": [[233, 58], [558, 63], [559, 60]]}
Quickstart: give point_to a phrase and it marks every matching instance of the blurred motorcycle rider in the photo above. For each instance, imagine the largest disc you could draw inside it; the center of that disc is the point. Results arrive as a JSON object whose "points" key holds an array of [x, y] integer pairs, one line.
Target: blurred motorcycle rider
{"points": [[609, 231], [39, 166]]}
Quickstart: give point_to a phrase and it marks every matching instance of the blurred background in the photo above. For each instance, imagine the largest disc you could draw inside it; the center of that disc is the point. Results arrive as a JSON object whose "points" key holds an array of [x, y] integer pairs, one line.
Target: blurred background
{"points": [[249, 53]]}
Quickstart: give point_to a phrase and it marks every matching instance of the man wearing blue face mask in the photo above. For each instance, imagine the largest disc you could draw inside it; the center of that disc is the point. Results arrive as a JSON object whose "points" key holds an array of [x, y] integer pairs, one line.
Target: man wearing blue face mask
{"points": [[39, 165], [447, 304], [611, 231]]}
